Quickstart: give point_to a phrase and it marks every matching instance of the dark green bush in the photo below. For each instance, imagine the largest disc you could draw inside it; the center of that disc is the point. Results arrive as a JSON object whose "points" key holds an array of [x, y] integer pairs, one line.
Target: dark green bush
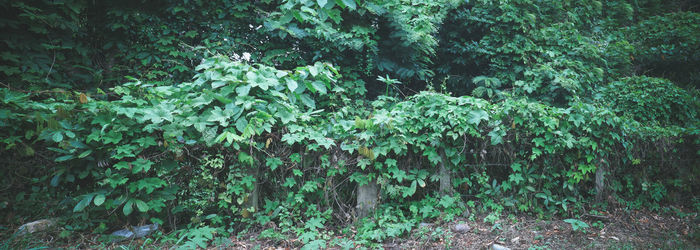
{"points": [[668, 46], [653, 101]]}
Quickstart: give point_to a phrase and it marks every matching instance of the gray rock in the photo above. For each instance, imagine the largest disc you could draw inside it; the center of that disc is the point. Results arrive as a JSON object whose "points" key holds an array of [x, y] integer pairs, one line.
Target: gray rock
{"points": [[36, 226], [515, 240], [499, 247], [423, 224], [461, 228], [136, 232]]}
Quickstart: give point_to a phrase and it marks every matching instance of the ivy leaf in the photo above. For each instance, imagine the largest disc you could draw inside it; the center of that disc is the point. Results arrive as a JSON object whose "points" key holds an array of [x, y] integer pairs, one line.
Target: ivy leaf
{"points": [[577, 119], [285, 116], [160, 113], [148, 184], [397, 173], [497, 136], [410, 190], [273, 163], [433, 156], [245, 158], [289, 182], [112, 137], [291, 139], [476, 116], [516, 178], [350, 3], [314, 223], [201, 101], [446, 201], [218, 115], [141, 165], [322, 3], [325, 142]]}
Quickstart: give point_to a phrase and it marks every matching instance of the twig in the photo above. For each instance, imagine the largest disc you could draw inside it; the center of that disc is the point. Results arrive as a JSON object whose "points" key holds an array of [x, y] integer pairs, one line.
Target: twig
{"points": [[600, 217], [31, 92], [51, 68]]}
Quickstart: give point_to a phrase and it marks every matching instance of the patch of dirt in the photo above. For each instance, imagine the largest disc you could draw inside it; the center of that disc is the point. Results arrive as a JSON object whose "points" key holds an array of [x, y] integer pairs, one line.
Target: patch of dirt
{"points": [[618, 229], [621, 229]]}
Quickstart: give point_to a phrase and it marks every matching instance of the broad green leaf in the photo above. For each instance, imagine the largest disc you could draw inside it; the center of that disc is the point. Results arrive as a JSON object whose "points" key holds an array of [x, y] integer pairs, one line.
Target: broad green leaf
{"points": [[350, 3], [85, 154], [83, 203], [128, 207], [320, 87], [142, 206], [245, 158], [65, 158], [218, 97], [56, 179], [313, 70], [99, 199], [292, 85], [241, 124], [243, 90], [217, 84], [57, 137], [307, 100]]}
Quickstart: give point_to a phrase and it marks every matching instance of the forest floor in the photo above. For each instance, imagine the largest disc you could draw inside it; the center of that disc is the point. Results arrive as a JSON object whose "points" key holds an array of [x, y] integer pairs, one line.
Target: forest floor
{"points": [[618, 229]]}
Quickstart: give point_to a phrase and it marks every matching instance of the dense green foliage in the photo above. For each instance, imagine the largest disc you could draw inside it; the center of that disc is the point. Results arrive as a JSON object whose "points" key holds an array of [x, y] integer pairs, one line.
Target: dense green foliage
{"points": [[651, 100], [268, 115]]}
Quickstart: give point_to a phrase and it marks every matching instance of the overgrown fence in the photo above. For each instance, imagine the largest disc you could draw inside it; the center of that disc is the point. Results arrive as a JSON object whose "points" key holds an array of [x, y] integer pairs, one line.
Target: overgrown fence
{"points": [[290, 145]]}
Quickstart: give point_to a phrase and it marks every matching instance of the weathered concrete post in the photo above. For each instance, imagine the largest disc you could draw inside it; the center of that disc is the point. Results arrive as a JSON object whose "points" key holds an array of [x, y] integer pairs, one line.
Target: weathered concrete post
{"points": [[367, 198], [445, 175], [252, 200], [600, 182]]}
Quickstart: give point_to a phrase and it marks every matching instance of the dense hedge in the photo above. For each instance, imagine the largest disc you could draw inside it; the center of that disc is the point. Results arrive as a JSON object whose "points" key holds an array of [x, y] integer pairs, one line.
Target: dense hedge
{"points": [[274, 115], [240, 135]]}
